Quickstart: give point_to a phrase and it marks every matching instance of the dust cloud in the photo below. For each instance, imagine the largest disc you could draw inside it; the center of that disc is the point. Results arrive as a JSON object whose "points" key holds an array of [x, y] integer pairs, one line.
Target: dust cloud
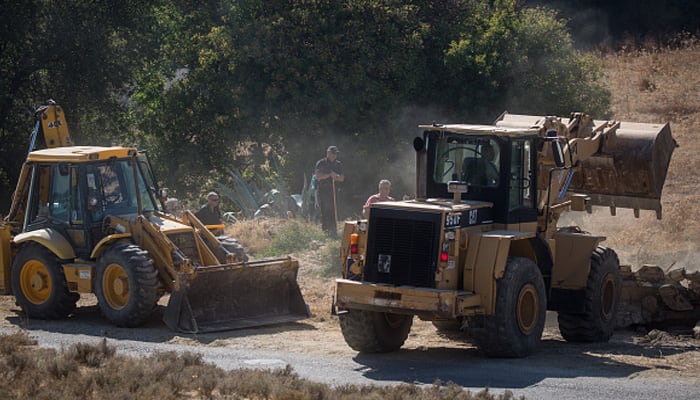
{"points": [[637, 241]]}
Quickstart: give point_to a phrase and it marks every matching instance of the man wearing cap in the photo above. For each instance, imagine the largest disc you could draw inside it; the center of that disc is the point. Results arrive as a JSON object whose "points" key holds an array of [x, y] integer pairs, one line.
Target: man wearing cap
{"points": [[210, 214], [328, 172]]}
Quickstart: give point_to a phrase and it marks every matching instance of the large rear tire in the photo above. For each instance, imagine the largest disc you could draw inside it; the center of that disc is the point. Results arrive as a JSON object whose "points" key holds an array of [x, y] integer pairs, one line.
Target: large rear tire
{"points": [[515, 329], [126, 285], [39, 284], [603, 289], [448, 326], [375, 332]]}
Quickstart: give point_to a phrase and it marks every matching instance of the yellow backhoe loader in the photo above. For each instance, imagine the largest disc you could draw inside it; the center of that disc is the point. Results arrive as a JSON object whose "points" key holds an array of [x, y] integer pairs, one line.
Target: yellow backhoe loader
{"points": [[89, 219], [479, 248]]}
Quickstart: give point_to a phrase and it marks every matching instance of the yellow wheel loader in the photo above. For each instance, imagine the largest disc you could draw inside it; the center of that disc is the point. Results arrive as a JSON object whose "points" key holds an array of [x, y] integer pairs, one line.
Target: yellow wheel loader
{"points": [[479, 248], [88, 219]]}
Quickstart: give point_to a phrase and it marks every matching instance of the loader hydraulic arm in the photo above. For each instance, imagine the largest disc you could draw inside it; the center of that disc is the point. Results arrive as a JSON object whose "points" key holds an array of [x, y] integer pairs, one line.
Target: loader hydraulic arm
{"points": [[607, 163], [52, 122], [584, 140]]}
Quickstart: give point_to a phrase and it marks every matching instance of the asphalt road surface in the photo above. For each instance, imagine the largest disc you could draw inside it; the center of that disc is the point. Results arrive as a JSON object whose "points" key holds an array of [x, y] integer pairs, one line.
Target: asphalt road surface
{"points": [[558, 371]]}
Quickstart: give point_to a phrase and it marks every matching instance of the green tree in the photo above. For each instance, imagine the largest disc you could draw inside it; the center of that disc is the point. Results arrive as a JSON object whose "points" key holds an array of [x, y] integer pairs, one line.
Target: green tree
{"points": [[209, 86], [524, 60], [79, 53]]}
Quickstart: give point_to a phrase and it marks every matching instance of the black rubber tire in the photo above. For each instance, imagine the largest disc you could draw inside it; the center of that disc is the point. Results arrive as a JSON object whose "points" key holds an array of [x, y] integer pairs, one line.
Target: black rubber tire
{"points": [[515, 329], [602, 301], [449, 326], [56, 302], [374, 332], [138, 289], [234, 247]]}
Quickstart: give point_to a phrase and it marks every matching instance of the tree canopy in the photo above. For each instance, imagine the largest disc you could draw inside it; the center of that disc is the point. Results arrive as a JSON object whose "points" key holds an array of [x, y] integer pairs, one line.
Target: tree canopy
{"points": [[211, 86]]}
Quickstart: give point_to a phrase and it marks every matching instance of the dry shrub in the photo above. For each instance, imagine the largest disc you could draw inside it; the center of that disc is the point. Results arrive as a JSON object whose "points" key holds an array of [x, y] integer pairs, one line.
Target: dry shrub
{"points": [[15, 341], [62, 366], [35, 373], [91, 355], [268, 237], [254, 234]]}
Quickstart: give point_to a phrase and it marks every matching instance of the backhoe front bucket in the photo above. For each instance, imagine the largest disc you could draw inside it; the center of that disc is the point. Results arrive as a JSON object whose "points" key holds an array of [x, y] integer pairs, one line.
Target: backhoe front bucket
{"points": [[237, 296], [630, 169]]}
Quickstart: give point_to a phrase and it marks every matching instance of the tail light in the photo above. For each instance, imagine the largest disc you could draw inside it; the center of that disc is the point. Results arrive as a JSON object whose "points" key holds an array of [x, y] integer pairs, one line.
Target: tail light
{"points": [[353, 243], [444, 254]]}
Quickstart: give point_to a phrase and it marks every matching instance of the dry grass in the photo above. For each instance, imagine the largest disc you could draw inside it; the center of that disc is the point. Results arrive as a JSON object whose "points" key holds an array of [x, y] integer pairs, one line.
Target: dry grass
{"points": [[97, 372], [254, 234], [276, 237], [658, 84]]}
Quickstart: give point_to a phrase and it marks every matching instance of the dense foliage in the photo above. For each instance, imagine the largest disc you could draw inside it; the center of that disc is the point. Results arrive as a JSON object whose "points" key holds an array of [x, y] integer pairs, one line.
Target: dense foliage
{"points": [[211, 86], [614, 23]]}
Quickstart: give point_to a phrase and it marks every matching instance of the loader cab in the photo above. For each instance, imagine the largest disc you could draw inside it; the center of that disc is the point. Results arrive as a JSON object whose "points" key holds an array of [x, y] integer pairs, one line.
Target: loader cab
{"points": [[74, 198], [500, 169]]}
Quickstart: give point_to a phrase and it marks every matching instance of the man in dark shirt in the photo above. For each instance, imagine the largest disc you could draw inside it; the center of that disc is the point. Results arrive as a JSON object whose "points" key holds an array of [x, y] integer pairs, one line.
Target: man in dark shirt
{"points": [[328, 171], [210, 214]]}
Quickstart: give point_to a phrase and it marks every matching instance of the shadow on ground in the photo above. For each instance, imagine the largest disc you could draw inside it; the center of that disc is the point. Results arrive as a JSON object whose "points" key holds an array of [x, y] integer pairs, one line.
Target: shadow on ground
{"points": [[468, 368], [87, 320]]}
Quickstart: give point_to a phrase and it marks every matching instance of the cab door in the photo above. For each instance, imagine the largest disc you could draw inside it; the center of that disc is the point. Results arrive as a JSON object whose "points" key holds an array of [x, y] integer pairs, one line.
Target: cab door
{"points": [[55, 202], [522, 205]]}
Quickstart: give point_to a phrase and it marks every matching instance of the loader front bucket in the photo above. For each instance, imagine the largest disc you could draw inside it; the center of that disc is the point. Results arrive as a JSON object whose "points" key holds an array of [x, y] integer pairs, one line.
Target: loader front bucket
{"points": [[236, 296], [630, 169]]}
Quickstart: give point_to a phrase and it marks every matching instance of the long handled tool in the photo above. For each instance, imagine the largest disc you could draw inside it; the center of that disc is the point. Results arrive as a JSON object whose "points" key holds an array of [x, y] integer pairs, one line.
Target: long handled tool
{"points": [[335, 208]]}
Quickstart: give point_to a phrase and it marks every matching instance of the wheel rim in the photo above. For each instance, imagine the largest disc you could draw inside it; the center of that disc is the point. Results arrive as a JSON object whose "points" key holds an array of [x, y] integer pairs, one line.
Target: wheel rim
{"points": [[35, 282], [115, 286], [607, 299], [394, 320], [528, 309]]}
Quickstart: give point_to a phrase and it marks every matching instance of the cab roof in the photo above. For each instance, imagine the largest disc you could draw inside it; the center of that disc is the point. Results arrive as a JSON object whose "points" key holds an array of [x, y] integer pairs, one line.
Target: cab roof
{"points": [[80, 154], [482, 129]]}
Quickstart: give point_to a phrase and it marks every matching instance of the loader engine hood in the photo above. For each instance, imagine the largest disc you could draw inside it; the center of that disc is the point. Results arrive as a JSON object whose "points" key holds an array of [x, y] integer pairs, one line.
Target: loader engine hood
{"points": [[168, 226], [404, 237], [456, 215], [164, 225]]}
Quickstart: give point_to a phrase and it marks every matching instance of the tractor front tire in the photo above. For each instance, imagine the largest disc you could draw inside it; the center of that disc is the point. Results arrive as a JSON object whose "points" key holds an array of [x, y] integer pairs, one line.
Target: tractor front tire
{"points": [[39, 284], [602, 300], [515, 328], [126, 285], [374, 332]]}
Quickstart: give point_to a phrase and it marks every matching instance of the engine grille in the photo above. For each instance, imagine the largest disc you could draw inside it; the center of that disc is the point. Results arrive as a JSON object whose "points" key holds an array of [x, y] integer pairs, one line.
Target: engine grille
{"points": [[185, 242], [402, 247]]}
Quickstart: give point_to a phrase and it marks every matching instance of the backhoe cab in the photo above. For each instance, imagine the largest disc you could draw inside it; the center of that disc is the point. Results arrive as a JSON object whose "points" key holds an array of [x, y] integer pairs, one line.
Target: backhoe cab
{"points": [[89, 219], [479, 248]]}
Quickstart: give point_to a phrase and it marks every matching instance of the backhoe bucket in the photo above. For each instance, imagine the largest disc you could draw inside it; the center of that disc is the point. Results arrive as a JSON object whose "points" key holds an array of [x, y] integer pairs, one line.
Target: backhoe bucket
{"points": [[237, 296], [630, 170]]}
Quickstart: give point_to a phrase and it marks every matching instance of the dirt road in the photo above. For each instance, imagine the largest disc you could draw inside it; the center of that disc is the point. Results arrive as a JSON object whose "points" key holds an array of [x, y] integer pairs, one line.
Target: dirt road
{"points": [[632, 365]]}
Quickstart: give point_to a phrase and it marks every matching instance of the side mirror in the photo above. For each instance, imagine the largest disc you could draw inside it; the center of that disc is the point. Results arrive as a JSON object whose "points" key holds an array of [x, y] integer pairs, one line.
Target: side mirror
{"points": [[558, 154], [418, 143], [63, 169]]}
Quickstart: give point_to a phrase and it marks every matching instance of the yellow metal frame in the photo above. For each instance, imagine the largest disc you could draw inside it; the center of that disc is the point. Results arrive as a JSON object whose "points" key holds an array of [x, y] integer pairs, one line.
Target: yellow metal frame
{"points": [[55, 127], [102, 244], [51, 239], [79, 277], [426, 303], [5, 258], [572, 259]]}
